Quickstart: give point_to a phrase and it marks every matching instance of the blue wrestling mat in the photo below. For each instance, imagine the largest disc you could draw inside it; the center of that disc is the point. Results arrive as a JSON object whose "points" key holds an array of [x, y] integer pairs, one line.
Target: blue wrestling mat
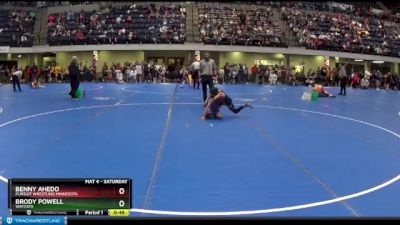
{"points": [[284, 157]]}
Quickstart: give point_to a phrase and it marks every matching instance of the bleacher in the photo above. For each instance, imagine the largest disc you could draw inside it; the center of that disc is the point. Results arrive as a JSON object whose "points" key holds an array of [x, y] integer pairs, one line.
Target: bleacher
{"points": [[15, 24], [343, 29], [239, 24], [123, 25]]}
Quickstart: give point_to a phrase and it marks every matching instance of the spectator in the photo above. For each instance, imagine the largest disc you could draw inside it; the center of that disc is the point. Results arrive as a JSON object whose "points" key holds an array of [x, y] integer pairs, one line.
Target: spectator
{"points": [[139, 72], [104, 72], [57, 72], [3, 74], [387, 80], [245, 73], [364, 83], [221, 73], [254, 72], [227, 72], [163, 71], [119, 76], [273, 78], [355, 80], [132, 74], [35, 76], [194, 69]]}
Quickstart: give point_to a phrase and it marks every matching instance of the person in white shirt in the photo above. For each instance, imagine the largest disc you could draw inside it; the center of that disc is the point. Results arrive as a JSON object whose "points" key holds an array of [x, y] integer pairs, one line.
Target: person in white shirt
{"points": [[367, 74], [273, 78], [15, 76], [163, 70], [139, 72], [184, 76], [365, 83], [118, 20], [120, 76], [133, 75], [127, 72], [233, 75], [194, 70], [221, 73], [24, 38]]}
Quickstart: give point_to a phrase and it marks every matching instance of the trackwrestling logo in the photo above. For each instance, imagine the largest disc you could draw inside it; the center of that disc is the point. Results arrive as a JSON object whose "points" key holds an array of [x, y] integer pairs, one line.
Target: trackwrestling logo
{"points": [[34, 220]]}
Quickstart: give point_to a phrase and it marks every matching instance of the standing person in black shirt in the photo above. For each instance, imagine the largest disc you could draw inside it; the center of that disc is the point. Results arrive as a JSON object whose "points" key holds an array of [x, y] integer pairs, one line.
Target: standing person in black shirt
{"points": [[3, 74], [324, 73], [146, 71], [74, 73], [227, 71], [35, 76], [343, 79]]}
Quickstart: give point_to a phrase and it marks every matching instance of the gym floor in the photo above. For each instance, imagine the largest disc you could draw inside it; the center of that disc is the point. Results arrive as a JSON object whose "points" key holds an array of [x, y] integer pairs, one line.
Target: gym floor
{"points": [[334, 157]]}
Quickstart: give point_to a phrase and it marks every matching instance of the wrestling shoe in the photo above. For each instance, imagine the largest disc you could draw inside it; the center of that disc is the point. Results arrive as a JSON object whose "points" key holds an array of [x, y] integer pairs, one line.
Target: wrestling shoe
{"points": [[248, 105]]}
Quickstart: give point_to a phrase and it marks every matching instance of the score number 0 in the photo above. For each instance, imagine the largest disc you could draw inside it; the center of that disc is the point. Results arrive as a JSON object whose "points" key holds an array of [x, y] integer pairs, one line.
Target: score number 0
{"points": [[121, 203]]}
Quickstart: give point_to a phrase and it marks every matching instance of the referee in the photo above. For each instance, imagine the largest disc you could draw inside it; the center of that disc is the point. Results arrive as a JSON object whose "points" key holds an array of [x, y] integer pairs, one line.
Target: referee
{"points": [[343, 79], [74, 73], [208, 69]]}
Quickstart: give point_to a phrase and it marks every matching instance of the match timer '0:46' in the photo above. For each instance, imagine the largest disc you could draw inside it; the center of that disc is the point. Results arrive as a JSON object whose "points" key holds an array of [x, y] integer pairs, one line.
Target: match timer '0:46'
{"points": [[118, 212]]}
